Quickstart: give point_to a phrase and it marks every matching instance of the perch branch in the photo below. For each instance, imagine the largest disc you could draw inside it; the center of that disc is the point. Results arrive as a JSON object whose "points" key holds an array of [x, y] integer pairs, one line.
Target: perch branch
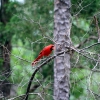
{"points": [[52, 57]]}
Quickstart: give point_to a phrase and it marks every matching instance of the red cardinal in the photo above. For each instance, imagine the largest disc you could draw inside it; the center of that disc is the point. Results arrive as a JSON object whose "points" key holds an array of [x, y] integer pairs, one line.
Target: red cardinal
{"points": [[45, 52]]}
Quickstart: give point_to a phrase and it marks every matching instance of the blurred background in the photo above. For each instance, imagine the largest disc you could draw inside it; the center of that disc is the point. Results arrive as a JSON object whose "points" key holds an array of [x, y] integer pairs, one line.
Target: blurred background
{"points": [[26, 26]]}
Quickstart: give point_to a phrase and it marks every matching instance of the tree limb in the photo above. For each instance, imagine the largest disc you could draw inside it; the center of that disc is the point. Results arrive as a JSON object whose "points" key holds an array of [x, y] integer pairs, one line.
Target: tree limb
{"points": [[52, 57], [36, 70]]}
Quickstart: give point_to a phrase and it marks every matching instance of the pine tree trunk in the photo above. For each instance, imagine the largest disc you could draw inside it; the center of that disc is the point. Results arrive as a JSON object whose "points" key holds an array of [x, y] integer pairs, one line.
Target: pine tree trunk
{"points": [[62, 38], [5, 49], [5, 71]]}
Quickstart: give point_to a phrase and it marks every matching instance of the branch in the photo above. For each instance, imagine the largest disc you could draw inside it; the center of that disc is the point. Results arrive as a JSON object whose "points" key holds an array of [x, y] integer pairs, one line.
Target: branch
{"points": [[82, 9], [9, 53], [52, 57], [79, 52], [94, 93], [36, 70], [21, 96], [40, 27], [90, 46], [88, 39]]}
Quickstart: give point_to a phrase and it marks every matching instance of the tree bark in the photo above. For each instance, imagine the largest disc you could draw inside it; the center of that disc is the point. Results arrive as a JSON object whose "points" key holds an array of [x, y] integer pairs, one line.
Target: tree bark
{"points": [[5, 85], [62, 39], [5, 49]]}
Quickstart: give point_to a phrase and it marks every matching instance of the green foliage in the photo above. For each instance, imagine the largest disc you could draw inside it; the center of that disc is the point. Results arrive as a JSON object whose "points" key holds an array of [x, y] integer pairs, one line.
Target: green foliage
{"points": [[84, 27], [85, 8]]}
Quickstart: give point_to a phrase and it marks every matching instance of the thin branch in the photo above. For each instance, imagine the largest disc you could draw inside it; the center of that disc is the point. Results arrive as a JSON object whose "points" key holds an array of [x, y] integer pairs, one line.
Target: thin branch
{"points": [[52, 57], [36, 70], [79, 52], [9, 53], [77, 81], [49, 59], [21, 96], [20, 58], [94, 93], [90, 46], [82, 9], [40, 27], [88, 39]]}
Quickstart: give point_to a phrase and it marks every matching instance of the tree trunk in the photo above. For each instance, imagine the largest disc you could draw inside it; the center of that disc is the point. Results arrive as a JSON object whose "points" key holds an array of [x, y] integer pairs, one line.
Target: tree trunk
{"points": [[5, 49], [62, 27], [5, 85]]}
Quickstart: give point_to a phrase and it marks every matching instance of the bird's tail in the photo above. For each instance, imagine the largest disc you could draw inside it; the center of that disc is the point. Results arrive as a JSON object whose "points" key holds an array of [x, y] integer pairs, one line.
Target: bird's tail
{"points": [[36, 60]]}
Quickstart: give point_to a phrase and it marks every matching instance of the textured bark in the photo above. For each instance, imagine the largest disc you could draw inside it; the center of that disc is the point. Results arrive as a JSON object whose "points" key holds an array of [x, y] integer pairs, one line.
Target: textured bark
{"points": [[5, 85], [5, 49], [3, 15], [62, 38]]}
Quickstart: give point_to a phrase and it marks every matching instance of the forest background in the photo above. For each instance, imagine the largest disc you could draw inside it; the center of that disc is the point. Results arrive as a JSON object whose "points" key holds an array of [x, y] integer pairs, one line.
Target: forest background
{"points": [[26, 27]]}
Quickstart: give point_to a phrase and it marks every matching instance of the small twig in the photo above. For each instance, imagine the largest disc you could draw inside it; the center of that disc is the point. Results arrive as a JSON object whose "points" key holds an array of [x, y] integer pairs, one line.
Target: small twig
{"points": [[94, 93], [21, 96], [79, 52], [40, 27], [90, 46], [20, 58], [8, 52], [88, 39], [82, 9]]}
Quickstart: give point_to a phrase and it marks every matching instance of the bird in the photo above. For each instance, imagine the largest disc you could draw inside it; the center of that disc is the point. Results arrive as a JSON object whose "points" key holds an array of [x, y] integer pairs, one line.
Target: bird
{"points": [[46, 51]]}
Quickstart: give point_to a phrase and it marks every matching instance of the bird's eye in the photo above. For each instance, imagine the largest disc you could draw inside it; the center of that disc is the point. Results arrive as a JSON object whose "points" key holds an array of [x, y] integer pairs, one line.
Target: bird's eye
{"points": [[52, 48]]}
